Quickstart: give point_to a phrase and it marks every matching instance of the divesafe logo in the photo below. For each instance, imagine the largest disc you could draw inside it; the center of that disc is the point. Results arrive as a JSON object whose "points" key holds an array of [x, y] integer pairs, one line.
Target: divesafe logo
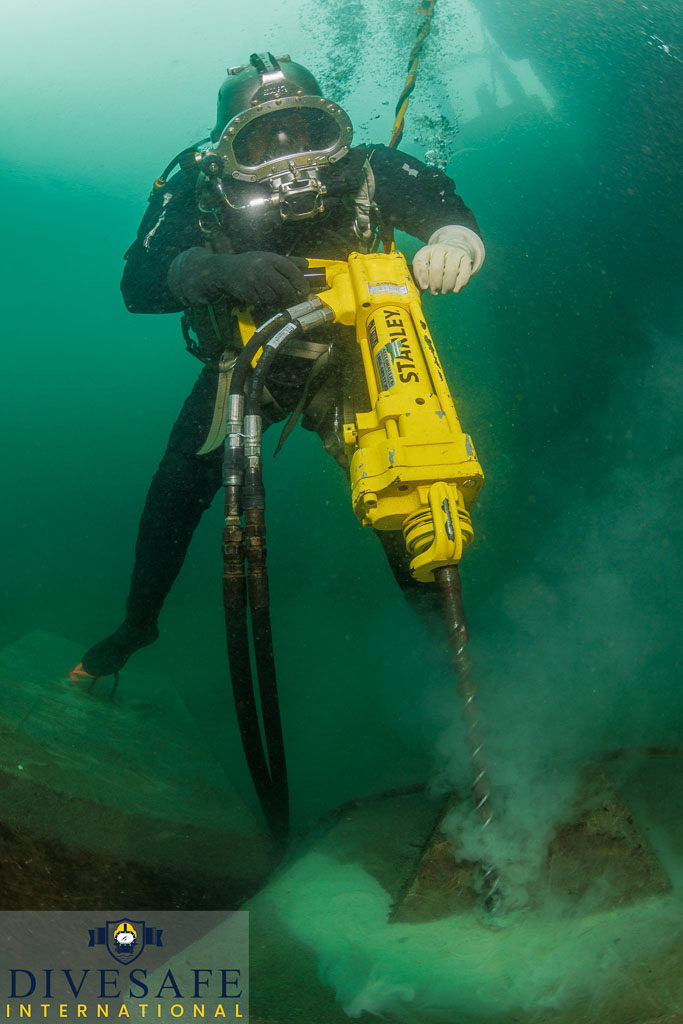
{"points": [[73, 965], [125, 939]]}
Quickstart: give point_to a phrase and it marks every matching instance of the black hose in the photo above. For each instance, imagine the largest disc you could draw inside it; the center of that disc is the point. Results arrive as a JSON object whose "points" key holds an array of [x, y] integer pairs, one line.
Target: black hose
{"points": [[272, 723], [243, 689], [266, 761], [252, 406], [259, 338], [274, 797], [162, 180]]}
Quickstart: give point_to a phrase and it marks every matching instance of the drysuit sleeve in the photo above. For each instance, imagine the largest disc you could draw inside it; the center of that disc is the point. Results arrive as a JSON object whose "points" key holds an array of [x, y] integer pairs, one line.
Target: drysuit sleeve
{"points": [[414, 197], [170, 225]]}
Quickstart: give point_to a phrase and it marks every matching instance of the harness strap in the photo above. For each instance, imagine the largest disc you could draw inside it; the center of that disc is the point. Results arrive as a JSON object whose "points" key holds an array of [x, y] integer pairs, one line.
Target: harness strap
{"points": [[219, 421]]}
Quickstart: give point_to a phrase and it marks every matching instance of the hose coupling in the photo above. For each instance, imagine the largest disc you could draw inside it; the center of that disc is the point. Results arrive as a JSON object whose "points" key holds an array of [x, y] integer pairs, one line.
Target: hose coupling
{"points": [[309, 306], [253, 433], [233, 453], [317, 317], [233, 438]]}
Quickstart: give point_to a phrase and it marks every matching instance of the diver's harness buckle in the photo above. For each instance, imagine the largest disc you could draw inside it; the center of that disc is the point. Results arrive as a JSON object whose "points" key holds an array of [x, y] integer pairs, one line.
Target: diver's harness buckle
{"points": [[192, 344]]}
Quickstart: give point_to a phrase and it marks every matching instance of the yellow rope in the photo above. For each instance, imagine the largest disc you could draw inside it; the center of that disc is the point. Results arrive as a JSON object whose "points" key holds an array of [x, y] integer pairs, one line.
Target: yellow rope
{"points": [[427, 8]]}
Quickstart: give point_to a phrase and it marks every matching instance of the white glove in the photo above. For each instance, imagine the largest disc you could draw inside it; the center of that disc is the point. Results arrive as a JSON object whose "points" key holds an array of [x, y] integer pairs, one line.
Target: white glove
{"points": [[449, 259]]}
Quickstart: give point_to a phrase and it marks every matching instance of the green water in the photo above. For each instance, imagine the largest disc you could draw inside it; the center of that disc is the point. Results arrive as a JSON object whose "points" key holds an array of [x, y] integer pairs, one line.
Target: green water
{"points": [[564, 357]]}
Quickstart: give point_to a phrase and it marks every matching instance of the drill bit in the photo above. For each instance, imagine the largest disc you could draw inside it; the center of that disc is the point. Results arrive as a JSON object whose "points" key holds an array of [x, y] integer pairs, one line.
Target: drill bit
{"points": [[450, 591]]}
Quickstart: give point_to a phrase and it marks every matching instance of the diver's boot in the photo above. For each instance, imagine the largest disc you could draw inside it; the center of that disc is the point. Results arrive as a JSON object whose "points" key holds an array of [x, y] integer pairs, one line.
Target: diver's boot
{"points": [[110, 655]]}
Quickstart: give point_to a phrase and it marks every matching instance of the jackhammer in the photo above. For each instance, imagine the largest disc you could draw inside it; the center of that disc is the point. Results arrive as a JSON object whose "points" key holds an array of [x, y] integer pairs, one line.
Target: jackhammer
{"points": [[412, 468]]}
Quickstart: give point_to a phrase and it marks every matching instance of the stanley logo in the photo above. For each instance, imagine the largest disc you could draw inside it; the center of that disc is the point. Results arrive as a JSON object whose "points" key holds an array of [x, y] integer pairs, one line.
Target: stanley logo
{"points": [[399, 344]]}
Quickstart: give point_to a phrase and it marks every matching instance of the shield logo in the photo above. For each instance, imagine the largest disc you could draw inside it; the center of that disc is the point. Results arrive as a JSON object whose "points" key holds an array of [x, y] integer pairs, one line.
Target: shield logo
{"points": [[125, 939]]}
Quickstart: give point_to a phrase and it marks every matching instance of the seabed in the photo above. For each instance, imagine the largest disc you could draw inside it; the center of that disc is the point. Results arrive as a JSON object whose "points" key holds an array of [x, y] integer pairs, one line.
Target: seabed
{"points": [[373, 914]]}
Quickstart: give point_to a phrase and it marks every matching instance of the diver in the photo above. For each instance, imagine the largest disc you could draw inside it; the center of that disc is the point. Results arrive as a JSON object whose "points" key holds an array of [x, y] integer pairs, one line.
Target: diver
{"points": [[278, 181]]}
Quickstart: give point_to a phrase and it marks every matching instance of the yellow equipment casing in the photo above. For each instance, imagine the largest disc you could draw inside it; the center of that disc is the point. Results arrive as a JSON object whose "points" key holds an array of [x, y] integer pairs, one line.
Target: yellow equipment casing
{"points": [[412, 466]]}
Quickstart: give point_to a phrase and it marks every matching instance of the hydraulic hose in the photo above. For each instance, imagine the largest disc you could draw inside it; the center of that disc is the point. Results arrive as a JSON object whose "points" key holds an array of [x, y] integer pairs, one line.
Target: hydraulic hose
{"points": [[266, 763], [237, 636], [291, 321], [253, 503], [270, 352], [245, 494], [233, 454], [261, 631], [259, 338]]}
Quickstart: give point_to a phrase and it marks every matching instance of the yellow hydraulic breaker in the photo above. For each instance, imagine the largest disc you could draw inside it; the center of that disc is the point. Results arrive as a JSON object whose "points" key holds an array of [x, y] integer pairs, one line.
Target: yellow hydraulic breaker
{"points": [[412, 466]]}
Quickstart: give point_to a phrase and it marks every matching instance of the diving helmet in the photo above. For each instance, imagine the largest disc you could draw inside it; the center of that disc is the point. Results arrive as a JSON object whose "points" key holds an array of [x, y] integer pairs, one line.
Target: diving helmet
{"points": [[276, 131]]}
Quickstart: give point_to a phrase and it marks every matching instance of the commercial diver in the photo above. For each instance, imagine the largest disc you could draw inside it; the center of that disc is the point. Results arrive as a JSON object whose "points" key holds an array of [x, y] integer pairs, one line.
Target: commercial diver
{"points": [[277, 182]]}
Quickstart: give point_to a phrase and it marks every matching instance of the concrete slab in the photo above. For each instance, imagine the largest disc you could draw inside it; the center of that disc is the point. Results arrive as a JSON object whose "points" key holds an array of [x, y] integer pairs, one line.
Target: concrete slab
{"points": [[123, 788], [569, 961], [602, 841]]}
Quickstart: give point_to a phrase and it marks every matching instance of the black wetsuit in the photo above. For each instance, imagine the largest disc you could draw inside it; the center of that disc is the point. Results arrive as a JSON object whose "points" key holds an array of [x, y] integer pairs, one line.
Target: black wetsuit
{"points": [[410, 196]]}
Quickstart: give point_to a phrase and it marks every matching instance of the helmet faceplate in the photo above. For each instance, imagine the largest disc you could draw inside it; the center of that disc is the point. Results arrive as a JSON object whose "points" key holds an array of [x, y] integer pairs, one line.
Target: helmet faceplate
{"points": [[284, 134], [274, 127]]}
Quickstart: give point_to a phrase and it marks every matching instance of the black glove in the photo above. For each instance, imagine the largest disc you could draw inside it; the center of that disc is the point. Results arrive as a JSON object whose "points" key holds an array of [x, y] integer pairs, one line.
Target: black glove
{"points": [[198, 276]]}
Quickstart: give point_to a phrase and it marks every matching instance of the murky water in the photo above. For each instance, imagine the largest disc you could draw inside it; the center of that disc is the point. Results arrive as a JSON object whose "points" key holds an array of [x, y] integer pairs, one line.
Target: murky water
{"points": [[561, 124]]}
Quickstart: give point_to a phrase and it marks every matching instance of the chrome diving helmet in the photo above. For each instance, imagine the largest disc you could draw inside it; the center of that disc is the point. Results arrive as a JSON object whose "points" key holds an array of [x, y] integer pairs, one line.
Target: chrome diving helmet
{"points": [[275, 132]]}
